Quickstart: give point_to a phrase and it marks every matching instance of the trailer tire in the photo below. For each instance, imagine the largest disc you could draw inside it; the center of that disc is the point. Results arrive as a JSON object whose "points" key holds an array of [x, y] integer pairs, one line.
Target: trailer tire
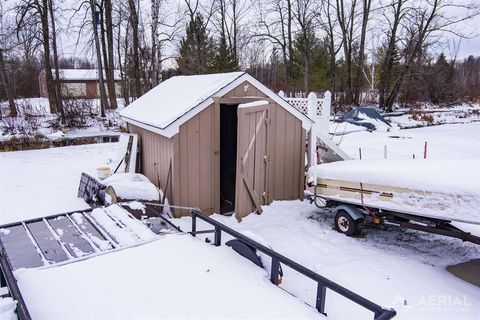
{"points": [[345, 224]]}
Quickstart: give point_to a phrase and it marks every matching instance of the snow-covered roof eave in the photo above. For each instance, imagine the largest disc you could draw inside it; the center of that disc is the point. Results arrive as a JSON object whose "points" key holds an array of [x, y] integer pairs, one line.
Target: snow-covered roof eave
{"points": [[173, 126], [306, 121]]}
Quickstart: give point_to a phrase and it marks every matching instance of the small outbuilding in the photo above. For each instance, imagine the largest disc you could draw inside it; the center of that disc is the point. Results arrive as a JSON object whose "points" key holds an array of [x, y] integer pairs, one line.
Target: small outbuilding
{"points": [[79, 83], [221, 142]]}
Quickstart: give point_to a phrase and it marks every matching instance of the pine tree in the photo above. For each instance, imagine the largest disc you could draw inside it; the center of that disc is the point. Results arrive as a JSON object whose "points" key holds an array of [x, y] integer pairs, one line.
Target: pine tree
{"points": [[224, 58], [196, 53]]}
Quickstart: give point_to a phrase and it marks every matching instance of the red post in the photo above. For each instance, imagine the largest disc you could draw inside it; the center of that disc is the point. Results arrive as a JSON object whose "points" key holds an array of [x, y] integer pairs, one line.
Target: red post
{"points": [[425, 151]]}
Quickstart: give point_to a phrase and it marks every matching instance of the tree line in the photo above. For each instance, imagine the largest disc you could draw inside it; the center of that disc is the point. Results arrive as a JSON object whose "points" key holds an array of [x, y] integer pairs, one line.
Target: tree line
{"points": [[390, 50]]}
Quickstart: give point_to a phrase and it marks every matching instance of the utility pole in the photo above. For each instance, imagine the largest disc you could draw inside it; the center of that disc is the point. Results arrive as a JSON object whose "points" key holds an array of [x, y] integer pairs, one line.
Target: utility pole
{"points": [[96, 21]]}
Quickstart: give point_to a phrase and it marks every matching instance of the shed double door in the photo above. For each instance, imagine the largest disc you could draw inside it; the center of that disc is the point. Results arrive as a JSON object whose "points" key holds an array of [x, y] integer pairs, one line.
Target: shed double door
{"points": [[253, 156]]}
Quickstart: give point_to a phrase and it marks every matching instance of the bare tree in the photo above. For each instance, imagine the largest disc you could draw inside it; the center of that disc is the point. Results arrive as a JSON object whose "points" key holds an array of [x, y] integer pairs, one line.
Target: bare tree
{"points": [[275, 24], [357, 84], [346, 19], [306, 12], [329, 24], [4, 81], [419, 23], [28, 14], [156, 65], [132, 5], [57, 83], [110, 49], [101, 84]]}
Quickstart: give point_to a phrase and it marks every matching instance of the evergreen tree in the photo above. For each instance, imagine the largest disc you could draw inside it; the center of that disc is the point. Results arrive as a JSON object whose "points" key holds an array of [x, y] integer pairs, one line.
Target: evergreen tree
{"points": [[311, 56], [196, 53], [225, 60]]}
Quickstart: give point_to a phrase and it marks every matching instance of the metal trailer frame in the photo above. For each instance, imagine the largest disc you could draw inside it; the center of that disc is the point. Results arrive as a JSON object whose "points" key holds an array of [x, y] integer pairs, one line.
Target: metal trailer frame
{"points": [[407, 220], [7, 278], [323, 283], [6, 270]]}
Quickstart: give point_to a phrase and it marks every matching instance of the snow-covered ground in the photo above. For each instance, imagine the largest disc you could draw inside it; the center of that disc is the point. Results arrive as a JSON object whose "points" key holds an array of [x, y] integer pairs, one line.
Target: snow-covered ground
{"points": [[390, 266], [450, 141], [36, 183]]}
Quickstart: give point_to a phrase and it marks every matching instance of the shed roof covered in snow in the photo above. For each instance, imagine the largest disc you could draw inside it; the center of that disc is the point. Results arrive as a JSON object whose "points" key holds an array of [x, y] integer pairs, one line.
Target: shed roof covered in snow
{"points": [[83, 74], [176, 100]]}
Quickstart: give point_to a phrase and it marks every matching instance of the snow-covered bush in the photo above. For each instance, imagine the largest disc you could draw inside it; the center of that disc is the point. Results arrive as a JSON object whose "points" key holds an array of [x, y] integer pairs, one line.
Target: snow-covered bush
{"points": [[28, 121]]}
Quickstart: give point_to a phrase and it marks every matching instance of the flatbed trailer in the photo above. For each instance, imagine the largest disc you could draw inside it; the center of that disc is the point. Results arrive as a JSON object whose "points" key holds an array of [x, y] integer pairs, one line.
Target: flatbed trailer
{"points": [[352, 212]]}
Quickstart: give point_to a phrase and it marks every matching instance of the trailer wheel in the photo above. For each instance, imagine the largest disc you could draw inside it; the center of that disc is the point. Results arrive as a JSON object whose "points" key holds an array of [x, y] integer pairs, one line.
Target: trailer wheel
{"points": [[344, 223]]}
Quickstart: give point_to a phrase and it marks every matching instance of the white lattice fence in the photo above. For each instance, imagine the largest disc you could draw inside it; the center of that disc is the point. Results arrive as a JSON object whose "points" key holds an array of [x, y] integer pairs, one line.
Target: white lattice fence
{"points": [[322, 107], [302, 104]]}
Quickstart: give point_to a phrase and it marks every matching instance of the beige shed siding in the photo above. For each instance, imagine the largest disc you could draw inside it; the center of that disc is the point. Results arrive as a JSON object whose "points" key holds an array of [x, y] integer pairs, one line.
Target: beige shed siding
{"points": [[196, 161], [195, 154], [157, 151], [287, 158], [239, 91]]}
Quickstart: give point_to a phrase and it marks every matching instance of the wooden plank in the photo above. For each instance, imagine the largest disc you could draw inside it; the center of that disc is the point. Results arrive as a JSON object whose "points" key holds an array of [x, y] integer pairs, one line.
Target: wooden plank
{"points": [[280, 151], [176, 170], [250, 165], [239, 171], [289, 157], [215, 149], [183, 147], [253, 195], [296, 158], [257, 154], [194, 162], [301, 187], [205, 142], [272, 130]]}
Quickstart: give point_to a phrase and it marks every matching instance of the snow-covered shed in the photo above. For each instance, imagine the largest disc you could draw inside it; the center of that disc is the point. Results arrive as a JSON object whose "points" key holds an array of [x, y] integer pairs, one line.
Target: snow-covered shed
{"points": [[220, 142], [79, 83]]}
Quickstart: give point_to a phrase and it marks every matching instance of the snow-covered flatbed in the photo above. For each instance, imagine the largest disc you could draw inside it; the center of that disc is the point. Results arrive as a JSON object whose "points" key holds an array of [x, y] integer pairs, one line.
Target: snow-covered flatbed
{"points": [[175, 276]]}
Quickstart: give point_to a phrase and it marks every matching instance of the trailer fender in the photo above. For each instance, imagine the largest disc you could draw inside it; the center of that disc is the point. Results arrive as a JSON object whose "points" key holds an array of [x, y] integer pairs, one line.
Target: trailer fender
{"points": [[352, 211]]}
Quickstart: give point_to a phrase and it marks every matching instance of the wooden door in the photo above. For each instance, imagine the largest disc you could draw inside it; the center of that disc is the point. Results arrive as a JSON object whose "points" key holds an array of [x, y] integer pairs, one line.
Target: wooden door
{"points": [[252, 160]]}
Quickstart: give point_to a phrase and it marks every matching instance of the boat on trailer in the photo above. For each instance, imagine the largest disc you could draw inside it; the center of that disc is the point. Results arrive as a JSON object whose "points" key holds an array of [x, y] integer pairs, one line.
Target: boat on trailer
{"points": [[422, 195]]}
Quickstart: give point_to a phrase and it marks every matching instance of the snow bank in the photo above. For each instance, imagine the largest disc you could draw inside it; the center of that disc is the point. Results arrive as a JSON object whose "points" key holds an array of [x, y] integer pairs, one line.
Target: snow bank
{"points": [[132, 186], [176, 276], [7, 308], [37, 183], [446, 176]]}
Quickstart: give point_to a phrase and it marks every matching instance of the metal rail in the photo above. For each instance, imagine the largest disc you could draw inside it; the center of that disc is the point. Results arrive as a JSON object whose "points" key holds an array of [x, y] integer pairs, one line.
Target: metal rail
{"points": [[7, 278], [323, 283]]}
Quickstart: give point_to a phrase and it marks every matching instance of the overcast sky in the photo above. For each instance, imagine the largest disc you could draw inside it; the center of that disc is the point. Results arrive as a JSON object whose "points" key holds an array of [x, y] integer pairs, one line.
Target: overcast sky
{"points": [[69, 47]]}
